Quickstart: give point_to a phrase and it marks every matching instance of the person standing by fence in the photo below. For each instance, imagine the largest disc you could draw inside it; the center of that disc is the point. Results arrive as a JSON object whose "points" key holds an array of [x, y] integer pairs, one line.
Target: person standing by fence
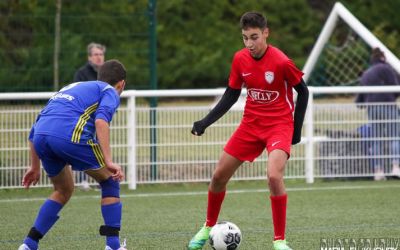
{"points": [[88, 72], [383, 113]]}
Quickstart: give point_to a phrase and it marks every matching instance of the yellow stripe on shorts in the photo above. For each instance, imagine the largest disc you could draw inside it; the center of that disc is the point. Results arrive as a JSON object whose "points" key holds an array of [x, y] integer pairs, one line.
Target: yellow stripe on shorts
{"points": [[97, 152]]}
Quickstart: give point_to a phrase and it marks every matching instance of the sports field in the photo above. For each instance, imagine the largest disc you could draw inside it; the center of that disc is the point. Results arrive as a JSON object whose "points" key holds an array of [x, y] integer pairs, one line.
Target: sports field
{"points": [[166, 216]]}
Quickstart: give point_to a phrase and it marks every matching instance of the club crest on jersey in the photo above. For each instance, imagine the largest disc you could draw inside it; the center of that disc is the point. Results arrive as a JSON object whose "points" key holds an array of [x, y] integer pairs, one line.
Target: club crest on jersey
{"points": [[269, 76]]}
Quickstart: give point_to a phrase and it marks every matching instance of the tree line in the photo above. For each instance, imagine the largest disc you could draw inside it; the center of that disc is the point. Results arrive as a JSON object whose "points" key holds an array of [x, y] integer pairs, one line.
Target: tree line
{"points": [[196, 39]]}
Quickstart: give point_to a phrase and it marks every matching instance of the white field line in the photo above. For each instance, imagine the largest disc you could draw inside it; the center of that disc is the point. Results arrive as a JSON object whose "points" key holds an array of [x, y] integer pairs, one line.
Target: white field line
{"points": [[238, 191]]}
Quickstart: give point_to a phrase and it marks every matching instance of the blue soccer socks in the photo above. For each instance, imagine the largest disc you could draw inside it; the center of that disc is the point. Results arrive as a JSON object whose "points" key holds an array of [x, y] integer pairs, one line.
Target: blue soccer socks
{"points": [[46, 218], [112, 215]]}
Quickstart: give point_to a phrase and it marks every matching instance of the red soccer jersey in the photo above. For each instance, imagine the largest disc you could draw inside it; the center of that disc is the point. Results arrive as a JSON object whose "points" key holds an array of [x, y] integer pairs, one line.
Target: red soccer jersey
{"points": [[269, 82]]}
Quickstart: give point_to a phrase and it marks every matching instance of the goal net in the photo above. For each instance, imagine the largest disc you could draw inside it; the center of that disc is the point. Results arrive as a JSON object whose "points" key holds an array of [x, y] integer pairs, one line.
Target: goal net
{"points": [[342, 60], [342, 51], [340, 54]]}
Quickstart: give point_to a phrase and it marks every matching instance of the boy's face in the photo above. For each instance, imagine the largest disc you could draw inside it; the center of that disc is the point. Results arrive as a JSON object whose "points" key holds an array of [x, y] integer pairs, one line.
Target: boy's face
{"points": [[255, 40]]}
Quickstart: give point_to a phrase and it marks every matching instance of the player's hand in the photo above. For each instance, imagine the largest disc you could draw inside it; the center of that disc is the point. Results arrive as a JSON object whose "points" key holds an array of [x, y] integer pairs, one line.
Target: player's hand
{"points": [[198, 128], [31, 177], [116, 170]]}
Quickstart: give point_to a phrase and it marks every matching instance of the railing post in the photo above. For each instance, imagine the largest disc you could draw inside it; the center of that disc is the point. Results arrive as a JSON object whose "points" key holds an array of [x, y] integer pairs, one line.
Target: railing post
{"points": [[309, 168], [131, 113]]}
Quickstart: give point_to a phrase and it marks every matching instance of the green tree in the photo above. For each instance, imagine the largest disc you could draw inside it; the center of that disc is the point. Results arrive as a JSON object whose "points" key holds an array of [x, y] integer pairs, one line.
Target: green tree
{"points": [[196, 38]]}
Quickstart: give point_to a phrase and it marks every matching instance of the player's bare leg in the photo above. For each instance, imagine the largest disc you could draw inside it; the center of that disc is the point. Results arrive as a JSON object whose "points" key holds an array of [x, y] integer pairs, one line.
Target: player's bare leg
{"points": [[226, 167], [48, 214], [63, 186], [111, 207], [276, 168]]}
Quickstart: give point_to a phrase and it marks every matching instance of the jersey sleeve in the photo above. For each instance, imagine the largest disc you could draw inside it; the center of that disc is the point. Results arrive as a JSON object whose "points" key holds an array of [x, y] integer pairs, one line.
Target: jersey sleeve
{"points": [[108, 104], [235, 79], [292, 74]]}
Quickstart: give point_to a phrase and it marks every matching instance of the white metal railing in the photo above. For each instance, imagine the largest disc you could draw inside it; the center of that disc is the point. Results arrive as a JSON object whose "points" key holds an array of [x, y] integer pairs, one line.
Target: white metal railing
{"points": [[161, 149]]}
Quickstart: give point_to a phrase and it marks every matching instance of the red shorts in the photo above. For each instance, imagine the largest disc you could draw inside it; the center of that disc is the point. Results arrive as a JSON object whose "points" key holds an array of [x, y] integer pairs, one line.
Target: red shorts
{"points": [[250, 139]]}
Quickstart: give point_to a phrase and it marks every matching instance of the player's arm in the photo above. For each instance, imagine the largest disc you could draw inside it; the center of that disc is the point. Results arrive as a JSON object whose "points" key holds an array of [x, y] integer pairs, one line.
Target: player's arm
{"points": [[300, 110], [103, 137], [32, 174], [103, 117], [35, 161], [228, 99]]}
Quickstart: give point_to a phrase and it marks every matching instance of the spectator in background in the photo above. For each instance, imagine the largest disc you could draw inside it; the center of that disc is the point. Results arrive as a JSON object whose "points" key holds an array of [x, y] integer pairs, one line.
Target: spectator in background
{"points": [[383, 113], [88, 72]]}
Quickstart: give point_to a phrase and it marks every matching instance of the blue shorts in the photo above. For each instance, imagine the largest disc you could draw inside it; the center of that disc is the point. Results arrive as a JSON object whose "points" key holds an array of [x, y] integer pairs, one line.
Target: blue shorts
{"points": [[56, 152]]}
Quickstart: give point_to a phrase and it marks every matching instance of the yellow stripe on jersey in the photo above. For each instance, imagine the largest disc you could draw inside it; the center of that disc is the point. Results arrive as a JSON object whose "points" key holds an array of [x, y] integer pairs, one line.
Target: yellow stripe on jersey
{"points": [[76, 135], [97, 152]]}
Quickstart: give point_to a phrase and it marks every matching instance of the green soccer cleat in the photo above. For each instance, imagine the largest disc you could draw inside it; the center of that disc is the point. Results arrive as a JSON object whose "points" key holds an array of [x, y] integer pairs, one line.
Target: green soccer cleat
{"points": [[281, 245], [200, 239]]}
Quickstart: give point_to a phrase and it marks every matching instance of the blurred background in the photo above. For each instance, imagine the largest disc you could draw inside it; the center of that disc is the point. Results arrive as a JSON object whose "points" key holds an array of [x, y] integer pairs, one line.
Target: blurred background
{"points": [[165, 44]]}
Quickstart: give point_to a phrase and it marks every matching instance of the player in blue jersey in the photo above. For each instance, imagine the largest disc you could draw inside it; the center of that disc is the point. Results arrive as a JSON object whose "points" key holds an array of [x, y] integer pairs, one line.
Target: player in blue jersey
{"points": [[73, 129]]}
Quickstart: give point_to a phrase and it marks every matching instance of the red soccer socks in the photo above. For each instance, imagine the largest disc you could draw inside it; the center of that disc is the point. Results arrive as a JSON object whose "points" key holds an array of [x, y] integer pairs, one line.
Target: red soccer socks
{"points": [[278, 207], [214, 207]]}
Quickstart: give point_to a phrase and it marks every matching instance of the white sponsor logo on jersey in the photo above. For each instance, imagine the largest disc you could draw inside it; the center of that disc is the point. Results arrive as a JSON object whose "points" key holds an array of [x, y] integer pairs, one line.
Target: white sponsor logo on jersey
{"points": [[246, 74], [269, 76], [62, 96], [262, 95]]}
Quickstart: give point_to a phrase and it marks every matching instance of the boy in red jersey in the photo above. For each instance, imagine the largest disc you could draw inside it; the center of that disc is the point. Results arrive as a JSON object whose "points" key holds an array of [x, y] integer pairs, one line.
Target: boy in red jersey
{"points": [[268, 122]]}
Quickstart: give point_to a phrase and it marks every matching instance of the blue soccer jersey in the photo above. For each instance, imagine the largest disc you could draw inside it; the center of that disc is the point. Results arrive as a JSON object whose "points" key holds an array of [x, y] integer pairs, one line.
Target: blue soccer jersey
{"points": [[71, 113]]}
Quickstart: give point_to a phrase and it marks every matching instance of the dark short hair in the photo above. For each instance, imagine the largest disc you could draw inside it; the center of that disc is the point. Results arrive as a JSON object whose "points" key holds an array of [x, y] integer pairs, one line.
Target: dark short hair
{"points": [[111, 72], [377, 55], [253, 20]]}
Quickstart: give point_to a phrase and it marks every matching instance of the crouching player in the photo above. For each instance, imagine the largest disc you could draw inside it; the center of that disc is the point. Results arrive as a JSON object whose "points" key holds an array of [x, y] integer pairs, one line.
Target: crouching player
{"points": [[73, 129], [267, 123]]}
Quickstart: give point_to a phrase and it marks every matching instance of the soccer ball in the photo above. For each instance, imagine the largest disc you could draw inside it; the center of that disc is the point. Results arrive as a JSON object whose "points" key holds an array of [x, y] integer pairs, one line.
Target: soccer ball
{"points": [[225, 236]]}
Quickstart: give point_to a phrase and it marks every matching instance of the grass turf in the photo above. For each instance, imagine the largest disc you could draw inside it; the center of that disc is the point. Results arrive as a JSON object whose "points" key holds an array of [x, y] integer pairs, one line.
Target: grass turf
{"points": [[167, 216]]}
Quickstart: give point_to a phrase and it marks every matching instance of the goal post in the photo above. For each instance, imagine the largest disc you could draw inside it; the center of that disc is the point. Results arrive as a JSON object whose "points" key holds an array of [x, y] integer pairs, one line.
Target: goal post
{"points": [[339, 12]]}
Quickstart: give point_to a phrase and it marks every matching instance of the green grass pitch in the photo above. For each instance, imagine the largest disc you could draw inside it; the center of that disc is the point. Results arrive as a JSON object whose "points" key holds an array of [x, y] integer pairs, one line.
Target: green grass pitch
{"points": [[166, 216]]}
